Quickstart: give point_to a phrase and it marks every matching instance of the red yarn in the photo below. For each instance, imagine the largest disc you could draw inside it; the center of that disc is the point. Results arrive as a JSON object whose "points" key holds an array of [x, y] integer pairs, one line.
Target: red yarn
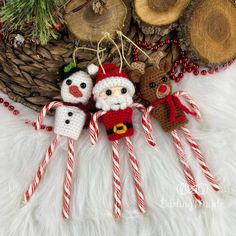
{"points": [[173, 103], [118, 124], [182, 107], [1, 27], [173, 118], [111, 71]]}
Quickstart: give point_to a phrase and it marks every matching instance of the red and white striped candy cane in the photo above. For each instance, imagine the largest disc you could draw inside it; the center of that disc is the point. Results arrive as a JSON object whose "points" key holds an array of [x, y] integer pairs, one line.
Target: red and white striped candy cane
{"points": [[147, 117], [44, 111], [41, 170], [68, 179], [146, 123], [197, 152], [136, 176], [116, 179], [93, 126], [191, 102], [139, 106], [186, 169]]}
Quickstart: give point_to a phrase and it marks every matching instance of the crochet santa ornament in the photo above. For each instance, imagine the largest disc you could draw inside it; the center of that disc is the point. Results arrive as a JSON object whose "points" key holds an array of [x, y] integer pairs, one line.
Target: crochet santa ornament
{"points": [[113, 94], [71, 116]]}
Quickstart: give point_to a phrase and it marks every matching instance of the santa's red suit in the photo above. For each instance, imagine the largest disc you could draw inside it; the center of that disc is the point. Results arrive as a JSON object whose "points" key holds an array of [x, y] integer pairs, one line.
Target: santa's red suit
{"points": [[118, 124]]}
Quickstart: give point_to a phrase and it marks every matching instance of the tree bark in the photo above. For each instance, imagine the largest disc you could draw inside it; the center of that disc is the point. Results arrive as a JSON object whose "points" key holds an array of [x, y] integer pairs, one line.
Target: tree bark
{"points": [[158, 16]]}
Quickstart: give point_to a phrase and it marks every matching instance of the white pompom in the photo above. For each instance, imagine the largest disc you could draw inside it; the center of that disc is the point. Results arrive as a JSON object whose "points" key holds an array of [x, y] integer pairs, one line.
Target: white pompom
{"points": [[92, 69]]}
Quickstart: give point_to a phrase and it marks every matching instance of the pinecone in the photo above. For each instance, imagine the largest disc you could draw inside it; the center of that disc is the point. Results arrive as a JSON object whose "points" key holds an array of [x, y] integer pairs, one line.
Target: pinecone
{"points": [[99, 6], [19, 37], [9, 37]]}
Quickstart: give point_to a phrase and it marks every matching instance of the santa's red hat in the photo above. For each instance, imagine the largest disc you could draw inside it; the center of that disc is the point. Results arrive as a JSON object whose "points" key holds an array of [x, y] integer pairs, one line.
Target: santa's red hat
{"points": [[112, 77]]}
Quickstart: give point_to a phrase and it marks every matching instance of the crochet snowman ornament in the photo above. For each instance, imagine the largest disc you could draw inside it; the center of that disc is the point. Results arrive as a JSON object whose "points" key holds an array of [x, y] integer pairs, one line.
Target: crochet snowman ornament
{"points": [[113, 94], [70, 118]]}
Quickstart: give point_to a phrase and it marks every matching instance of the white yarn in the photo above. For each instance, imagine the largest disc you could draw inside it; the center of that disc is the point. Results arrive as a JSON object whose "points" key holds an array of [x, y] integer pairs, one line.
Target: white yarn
{"points": [[69, 120], [92, 69], [77, 78], [75, 118], [112, 82]]}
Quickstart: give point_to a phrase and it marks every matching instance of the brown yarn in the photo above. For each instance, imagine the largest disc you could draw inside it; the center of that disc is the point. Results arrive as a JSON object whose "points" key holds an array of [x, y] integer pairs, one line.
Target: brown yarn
{"points": [[155, 75], [162, 112]]}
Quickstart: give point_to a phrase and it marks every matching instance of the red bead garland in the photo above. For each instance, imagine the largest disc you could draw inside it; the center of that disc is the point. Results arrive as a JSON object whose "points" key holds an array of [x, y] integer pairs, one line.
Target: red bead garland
{"points": [[1, 27], [182, 65], [15, 112]]}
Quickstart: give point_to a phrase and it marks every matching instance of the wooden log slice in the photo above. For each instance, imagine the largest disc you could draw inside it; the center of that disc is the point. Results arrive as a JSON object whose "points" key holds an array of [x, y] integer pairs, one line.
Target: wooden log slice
{"points": [[208, 31], [86, 25], [158, 16]]}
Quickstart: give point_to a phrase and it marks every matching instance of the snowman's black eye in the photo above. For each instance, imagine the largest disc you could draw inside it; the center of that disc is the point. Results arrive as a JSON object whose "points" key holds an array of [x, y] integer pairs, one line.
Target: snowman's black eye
{"points": [[152, 85], [108, 92], [164, 79], [83, 85], [68, 82], [123, 90]]}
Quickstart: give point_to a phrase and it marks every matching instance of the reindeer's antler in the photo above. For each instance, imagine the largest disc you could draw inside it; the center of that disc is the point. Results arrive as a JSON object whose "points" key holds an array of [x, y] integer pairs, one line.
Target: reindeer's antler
{"points": [[157, 57], [139, 66], [137, 70]]}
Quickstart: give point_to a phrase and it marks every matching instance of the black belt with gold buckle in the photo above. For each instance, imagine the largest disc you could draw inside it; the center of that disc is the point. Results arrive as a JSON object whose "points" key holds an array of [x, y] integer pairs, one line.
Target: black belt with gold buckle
{"points": [[120, 128]]}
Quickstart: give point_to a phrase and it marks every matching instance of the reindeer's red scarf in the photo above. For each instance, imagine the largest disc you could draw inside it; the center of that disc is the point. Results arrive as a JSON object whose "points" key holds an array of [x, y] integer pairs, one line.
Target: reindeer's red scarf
{"points": [[173, 102]]}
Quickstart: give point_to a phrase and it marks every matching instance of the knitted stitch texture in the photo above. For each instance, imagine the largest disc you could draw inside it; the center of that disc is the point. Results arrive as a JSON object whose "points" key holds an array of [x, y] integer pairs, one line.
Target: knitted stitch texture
{"points": [[83, 82], [75, 89], [69, 121], [150, 80], [161, 113], [118, 124], [112, 77]]}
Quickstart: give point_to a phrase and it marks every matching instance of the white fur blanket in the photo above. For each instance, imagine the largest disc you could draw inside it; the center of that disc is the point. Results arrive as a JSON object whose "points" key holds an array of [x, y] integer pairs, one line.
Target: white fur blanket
{"points": [[170, 206]]}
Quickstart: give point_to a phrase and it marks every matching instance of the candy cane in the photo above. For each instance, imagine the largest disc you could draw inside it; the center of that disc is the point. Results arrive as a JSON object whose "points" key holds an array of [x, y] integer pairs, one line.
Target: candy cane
{"points": [[187, 171], [191, 102], [116, 179], [93, 126], [136, 175], [196, 150], [68, 180], [146, 117], [139, 106], [41, 170], [44, 111], [146, 123]]}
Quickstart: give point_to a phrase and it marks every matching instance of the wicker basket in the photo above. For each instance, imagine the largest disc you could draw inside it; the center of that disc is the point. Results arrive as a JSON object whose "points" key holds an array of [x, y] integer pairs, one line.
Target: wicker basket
{"points": [[29, 74]]}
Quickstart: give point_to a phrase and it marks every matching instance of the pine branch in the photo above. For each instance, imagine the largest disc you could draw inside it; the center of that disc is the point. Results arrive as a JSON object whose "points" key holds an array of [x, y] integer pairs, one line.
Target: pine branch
{"points": [[43, 14]]}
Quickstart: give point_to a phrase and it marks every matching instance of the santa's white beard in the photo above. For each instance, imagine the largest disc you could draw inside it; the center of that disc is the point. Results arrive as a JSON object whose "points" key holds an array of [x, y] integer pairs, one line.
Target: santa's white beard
{"points": [[114, 103]]}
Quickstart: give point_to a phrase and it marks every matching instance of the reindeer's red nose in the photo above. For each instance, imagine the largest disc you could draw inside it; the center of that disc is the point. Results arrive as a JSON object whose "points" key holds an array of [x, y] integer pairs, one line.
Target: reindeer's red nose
{"points": [[74, 90], [162, 88]]}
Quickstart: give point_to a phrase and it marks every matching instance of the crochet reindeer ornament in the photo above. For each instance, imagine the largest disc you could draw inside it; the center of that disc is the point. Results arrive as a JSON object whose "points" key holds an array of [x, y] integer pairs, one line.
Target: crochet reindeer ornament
{"points": [[71, 116], [113, 94], [169, 111]]}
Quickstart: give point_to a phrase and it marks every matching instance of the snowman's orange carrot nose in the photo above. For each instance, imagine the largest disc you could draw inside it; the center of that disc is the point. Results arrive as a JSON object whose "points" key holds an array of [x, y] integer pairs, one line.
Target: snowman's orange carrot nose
{"points": [[75, 91]]}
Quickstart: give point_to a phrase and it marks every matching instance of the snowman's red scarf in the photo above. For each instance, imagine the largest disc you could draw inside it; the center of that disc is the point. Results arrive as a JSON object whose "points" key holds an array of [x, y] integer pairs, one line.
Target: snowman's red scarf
{"points": [[173, 102], [84, 108]]}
